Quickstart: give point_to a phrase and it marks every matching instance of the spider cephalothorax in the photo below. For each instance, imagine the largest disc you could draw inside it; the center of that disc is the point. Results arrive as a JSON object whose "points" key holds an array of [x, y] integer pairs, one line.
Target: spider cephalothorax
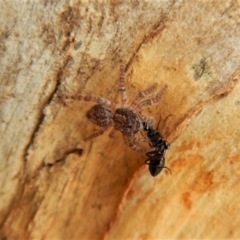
{"points": [[126, 121], [127, 117]]}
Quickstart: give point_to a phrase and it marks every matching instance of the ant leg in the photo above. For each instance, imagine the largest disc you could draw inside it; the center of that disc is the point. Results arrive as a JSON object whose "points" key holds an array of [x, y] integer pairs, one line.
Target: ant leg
{"points": [[142, 95], [165, 120], [131, 143], [153, 100], [122, 84]]}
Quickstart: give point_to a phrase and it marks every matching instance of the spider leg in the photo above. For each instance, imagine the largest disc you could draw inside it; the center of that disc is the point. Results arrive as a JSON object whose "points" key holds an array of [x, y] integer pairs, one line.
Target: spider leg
{"points": [[142, 95], [144, 118], [122, 84], [98, 100], [165, 120], [112, 133], [96, 134], [130, 141], [60, 97], [153, 100], [141, 139]]}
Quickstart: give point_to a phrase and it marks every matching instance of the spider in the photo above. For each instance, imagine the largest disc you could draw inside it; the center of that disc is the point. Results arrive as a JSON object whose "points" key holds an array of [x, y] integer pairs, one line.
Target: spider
{"points": [[126, 117]]}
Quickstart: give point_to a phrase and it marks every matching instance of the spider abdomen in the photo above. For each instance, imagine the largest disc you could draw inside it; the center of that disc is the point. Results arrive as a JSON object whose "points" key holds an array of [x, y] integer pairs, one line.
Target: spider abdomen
{"points": [[100, 115]]}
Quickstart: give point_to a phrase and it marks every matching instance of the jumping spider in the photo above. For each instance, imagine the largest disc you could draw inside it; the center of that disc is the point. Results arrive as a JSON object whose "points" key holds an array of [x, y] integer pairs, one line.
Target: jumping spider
{"points": [[127, 118]]}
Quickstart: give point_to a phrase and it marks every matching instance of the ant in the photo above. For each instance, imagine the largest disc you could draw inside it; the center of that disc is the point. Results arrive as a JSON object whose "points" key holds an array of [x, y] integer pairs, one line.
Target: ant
{"points": [[156, 158]]}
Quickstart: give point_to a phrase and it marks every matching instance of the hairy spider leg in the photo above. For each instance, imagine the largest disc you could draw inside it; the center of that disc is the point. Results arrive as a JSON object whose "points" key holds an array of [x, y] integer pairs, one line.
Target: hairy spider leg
{"points": [[144, 118], [77, 97], [102, 101], [122, 85], [112, 133], [130, 141], [98, 100], [96, 134], [142, 95], [153, 100], [140, 139], [61, 97]]}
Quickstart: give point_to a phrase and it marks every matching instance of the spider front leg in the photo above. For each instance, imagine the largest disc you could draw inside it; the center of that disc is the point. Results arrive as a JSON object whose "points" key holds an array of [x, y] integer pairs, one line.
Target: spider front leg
{"points": [[122, 85], [142, 95], [96, 134], [153, 100], [130, 141], [149, 120]]}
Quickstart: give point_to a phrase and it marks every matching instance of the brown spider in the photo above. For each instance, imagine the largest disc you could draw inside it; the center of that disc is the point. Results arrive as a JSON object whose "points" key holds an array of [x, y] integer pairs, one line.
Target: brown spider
{"points": [[127, 118]]}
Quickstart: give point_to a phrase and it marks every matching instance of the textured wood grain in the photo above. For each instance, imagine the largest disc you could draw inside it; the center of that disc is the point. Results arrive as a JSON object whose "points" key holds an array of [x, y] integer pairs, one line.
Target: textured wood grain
{"points": [[57, 185]]}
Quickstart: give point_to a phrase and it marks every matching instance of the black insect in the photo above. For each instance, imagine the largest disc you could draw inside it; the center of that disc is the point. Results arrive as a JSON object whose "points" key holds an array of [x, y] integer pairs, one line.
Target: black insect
{"points": [[156, 158]]}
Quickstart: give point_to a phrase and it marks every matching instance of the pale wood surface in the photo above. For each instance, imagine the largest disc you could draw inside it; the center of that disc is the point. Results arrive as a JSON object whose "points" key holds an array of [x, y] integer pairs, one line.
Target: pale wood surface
{"points": [[56, 185]]}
